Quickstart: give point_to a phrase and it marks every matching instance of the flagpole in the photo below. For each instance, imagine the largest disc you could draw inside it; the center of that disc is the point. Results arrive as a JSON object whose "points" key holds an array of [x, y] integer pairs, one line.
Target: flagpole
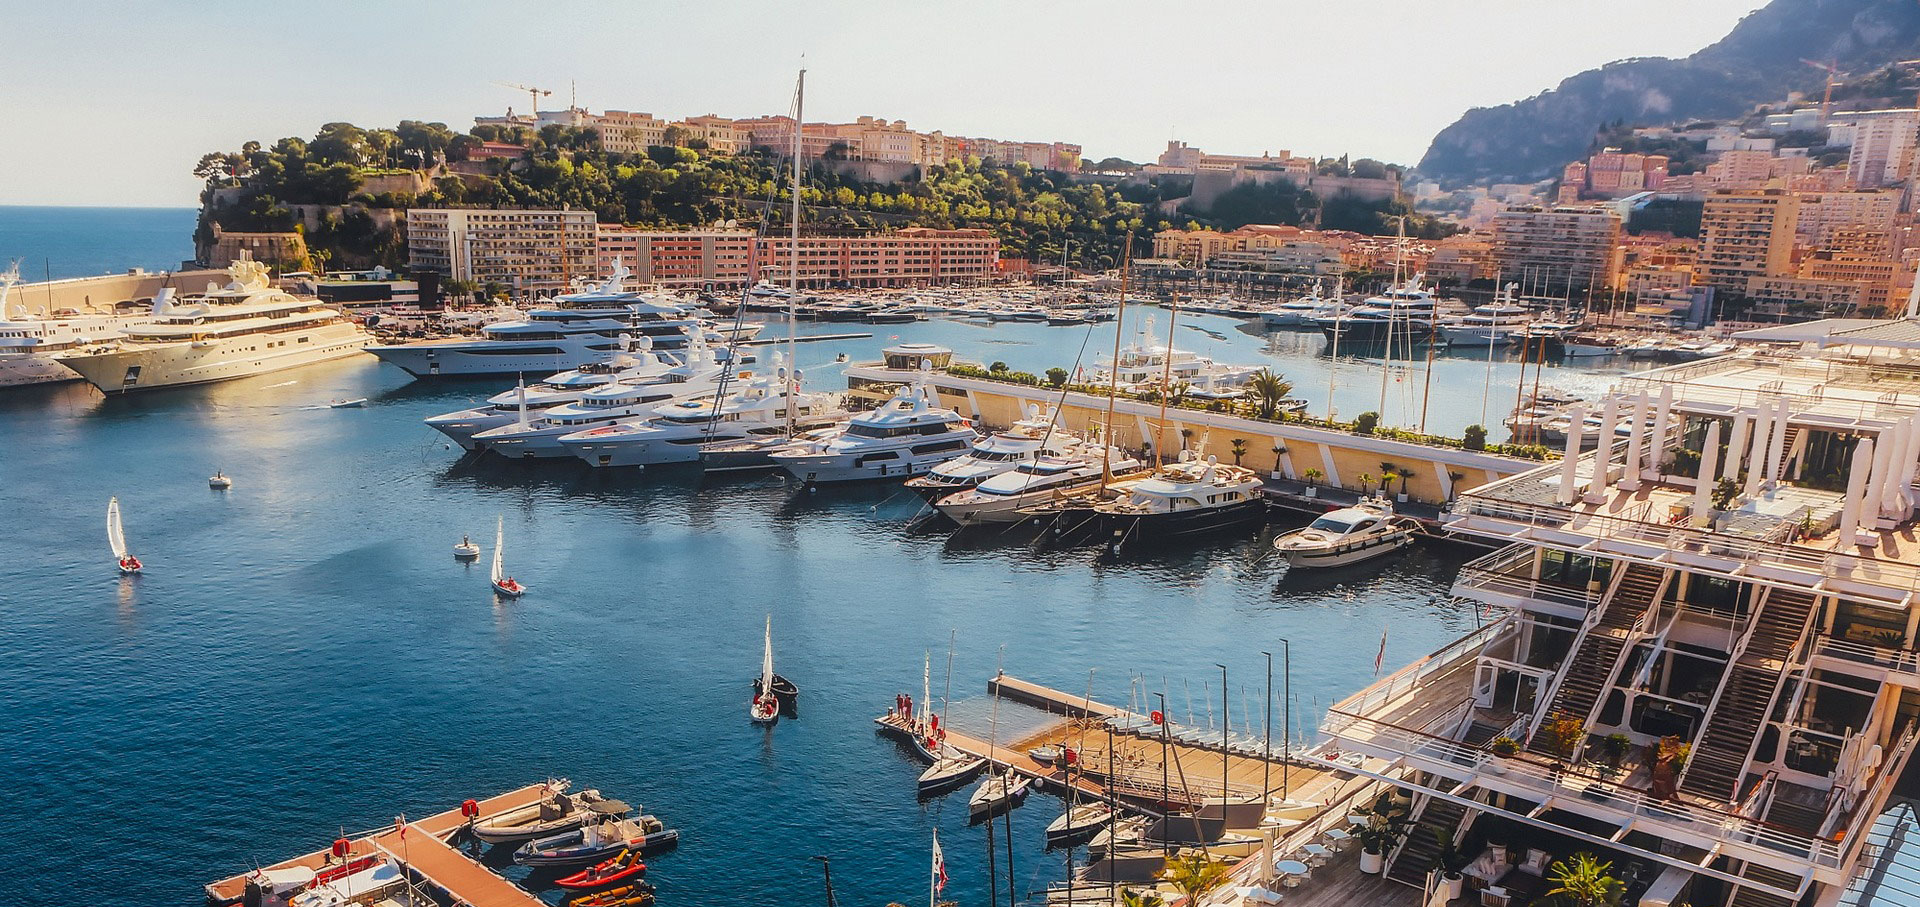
{"points": [[933, 877]]}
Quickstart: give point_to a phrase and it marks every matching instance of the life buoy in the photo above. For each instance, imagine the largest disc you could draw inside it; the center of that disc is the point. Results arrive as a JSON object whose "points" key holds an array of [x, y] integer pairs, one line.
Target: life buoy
{"points": [[342, 847], [470, 808]]}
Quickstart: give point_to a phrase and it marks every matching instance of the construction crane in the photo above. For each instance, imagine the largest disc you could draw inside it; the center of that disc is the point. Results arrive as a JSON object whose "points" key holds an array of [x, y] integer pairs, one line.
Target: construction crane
{"points": [[1832, 68], [535, 94]]}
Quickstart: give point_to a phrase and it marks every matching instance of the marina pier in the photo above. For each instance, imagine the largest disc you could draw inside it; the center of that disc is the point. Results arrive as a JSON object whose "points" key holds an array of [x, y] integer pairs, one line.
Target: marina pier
{"points": [[422, 850]]}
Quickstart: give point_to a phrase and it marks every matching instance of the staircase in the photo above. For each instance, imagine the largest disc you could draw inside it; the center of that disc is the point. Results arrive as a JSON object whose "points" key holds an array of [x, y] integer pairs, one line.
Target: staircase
{"points": [[1719, 758], [1589, 671], [1748, 897], [1420, 852]]}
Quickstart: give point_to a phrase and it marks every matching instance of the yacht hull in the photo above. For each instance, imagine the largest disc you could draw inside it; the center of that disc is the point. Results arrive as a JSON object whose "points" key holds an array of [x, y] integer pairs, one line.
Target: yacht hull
{"points": [[658, 448], [1128, 529], [462, 426], [23, 370], [431, 358], [1344, 555], [894, 463], [148, 366]]}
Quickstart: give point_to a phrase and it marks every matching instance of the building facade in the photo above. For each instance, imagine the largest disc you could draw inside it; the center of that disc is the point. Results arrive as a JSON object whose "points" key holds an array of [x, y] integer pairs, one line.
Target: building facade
{"points": [[916, 256], [1563, 247], [1746, 234], [529, 251]]}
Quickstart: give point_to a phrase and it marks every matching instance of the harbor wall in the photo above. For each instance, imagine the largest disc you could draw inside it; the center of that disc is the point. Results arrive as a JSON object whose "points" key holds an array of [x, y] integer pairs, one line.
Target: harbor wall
{"points": [[99, 295], [1435, 475]]}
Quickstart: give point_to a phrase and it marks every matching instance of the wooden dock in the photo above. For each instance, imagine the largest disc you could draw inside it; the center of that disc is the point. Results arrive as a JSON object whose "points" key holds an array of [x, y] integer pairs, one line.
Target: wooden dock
{"points": [[421, 849]]}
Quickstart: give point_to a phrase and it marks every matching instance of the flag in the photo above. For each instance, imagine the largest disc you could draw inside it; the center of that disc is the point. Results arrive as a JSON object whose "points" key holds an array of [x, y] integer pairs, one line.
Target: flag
{"points": [[939, 866], [1382, 657]]}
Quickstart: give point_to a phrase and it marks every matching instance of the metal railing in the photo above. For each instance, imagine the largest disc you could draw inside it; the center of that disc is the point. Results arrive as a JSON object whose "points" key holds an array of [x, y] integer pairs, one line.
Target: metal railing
{"points": [[1906, 661], [1551, 779], [1417, 673], [1495, 573]]}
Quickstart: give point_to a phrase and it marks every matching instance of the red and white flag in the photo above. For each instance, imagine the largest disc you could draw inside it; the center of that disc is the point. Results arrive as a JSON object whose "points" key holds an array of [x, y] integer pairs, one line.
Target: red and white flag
{"points": [[939, 866], [1381, 658]]}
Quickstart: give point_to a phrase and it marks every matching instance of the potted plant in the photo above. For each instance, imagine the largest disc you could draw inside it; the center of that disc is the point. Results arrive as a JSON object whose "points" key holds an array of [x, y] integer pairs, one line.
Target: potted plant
{"points": [[1238, 447], [1565, 734], [1385, 825], [1669, 758], [1614, 747], [1366, 483], [1502, 748], [1584, 881], [1451, 862], [1279, 450], [1313, 477]]}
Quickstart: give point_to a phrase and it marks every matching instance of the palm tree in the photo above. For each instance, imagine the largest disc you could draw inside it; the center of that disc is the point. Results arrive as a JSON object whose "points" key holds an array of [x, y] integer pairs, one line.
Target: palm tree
{"points": [[1585, 882], [1194, 875], [1268, 390], [1239, 448]]}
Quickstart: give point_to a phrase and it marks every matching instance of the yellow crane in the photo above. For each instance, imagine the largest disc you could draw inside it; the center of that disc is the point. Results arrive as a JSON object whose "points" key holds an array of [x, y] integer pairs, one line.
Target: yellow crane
{"points": [[534, 94], [1832, 68]]}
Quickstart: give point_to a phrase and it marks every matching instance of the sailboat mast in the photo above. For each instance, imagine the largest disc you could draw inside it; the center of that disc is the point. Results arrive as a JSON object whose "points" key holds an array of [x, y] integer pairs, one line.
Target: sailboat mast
{"points": [[947, 696], [1113, 369], [793, 274]]}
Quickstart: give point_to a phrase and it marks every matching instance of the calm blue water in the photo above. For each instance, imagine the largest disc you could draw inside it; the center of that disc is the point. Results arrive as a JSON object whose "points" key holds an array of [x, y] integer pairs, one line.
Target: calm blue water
{"points": [[304, 654], [82, 242]]}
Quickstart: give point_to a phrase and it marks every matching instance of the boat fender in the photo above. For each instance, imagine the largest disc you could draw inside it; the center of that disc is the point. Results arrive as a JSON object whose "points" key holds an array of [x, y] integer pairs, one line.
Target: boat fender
{"points": [[342, 847], [470, 808]]}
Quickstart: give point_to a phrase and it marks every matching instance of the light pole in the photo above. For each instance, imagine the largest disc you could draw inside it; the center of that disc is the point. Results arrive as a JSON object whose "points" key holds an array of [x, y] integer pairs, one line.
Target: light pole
{"points": [[1266, 745], [1166, 785], [1226, 738], [827, 868], [1286, 710]]}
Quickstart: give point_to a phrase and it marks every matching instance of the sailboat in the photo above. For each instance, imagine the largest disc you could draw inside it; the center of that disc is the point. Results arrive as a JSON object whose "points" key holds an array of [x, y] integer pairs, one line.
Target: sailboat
{"points": [[502, 583], [117, 537], [1000, 790], [952, 768], [765, 708]]}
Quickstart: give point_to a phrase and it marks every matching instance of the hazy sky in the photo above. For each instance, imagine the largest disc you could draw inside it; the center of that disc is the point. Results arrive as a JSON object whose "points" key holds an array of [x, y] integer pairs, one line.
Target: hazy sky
{"points": [[112, 103]]}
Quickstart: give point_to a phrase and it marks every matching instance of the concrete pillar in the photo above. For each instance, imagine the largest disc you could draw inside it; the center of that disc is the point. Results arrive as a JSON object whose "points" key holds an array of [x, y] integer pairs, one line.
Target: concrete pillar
{"points": [[1737, 447], [1576, 423], [1657, 444], [1703, 489], [1630, 476], [1603, 460], [1756, 456], [1889, 502], [1856, 484], [1877, 476]]}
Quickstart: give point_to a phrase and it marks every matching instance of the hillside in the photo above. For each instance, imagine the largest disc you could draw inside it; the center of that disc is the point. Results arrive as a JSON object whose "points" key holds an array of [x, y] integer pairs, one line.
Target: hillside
{"points": [[1758, 62]]}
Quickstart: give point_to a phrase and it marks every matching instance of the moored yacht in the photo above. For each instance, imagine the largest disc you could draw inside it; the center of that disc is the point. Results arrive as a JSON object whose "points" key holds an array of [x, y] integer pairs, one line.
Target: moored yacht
{"points": [[1496, 324], [31, 347], [990, 456], [1403, 313], [906, 436], [504, 408], [243, 329], [680, 432], [1181, 499], [1302, 311], [700, 375], [1011, 496], [1348, 536], [1145, 364]]}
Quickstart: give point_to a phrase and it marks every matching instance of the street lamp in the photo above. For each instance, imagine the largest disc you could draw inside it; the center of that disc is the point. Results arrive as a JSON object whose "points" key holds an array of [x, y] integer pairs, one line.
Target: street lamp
{"points": [[1226, 739]]}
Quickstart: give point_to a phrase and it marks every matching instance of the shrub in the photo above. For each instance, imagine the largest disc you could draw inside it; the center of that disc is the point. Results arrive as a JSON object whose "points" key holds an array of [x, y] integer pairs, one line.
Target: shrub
{"points": [[1505, 746], [1365, 423], [1057, 377], [1474, 437]]}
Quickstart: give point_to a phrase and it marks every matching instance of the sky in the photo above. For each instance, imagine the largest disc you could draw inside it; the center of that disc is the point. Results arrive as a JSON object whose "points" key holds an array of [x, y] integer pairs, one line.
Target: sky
{"points": [[112, 103]]}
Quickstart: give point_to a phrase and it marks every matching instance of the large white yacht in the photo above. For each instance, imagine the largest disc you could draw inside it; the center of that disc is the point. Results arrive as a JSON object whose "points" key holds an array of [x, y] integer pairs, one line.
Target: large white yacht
{"points": [[642, 363], [1496, 324], [1184, 498], [1050, 477], [1302, 311], [1144, 365], [31, 347], [699, 376], [1404, 312], [906, 436], [243, 329], [993, 454], [571, 330], [679, 432]]}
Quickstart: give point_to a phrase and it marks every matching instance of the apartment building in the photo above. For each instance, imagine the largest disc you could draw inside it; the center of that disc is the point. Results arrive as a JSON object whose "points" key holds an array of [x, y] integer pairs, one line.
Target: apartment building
{"points": [[1823, 214], [626, 132], [1746, 234], [529, 251], [1803, 298], [1882, 149], [1875, 273], [730, 258], [1712, 686], [1564, 247]]}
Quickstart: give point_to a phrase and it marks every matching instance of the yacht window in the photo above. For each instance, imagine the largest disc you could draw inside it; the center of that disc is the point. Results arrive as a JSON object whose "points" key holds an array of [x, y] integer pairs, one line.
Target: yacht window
{"points": [[1329, 524]]}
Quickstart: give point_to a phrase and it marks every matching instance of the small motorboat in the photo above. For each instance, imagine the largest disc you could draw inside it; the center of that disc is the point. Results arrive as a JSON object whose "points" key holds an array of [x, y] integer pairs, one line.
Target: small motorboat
{"points": [[1046, 753], [1125, 832], [219, 481], [626, 865], [466, 550], [639, 894], [599, 840], [949, 772], [1082, 821], [558, 811], [1348, 536], [368, 885], [355, 403], [997, 792], [117, 540]]}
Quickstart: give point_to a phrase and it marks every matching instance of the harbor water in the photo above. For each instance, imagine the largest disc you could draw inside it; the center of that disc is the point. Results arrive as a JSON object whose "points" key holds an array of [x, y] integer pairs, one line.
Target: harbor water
{"points": [[304, 655]]}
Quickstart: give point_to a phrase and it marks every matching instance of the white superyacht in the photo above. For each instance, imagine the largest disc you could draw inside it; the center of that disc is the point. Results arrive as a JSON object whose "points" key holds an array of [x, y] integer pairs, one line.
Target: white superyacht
{"points": [[699, 376], [243, 329], [680, 432], [31, 347], [640, 364], [907, 436]]}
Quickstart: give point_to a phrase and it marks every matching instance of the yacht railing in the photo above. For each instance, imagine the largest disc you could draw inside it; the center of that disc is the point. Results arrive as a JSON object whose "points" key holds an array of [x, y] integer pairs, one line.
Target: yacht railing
{"points": [[1906, 661], [1594, 792], [1418, 673]]}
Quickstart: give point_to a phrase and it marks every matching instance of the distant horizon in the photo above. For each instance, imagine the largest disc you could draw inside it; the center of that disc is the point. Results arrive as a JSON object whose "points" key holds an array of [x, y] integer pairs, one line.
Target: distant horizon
{"points": [[1374, 79]]}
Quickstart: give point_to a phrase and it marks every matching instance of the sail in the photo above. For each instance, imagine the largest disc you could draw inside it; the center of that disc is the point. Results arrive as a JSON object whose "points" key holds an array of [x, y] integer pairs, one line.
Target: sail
{"points": [[766, 663], [116, 537], [499, 541], [926, 689]]}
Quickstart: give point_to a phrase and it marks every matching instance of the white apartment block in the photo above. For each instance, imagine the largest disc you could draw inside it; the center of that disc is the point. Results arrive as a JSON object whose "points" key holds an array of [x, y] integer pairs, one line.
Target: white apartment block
{"points": [[527, 250]]}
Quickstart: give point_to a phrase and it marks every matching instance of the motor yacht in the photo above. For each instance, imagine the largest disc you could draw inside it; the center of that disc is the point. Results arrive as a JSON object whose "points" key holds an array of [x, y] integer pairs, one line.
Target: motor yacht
{"points": [[907, 436], [679, 432], [1182, 499], [244, 329], [640, 363], [31, 346], [991, 455], [1403, 313], [1012, 496], [627, 398], [1301, 312], [1499, 323], [1348, 536], [1583, 346], [1144, 365], [569, 331]]}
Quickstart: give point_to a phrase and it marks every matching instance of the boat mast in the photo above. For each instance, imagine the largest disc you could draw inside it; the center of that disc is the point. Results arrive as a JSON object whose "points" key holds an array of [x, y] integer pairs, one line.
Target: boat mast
{"points": [[948, 693], [793, 274], [1386, 355], [1113, 369], [1166, 382]]}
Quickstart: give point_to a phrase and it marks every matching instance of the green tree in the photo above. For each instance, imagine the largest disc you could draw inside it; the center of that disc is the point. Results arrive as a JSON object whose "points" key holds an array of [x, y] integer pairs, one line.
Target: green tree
{"points": [[1585, 881], [1269, 392], [1195, 875]]}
